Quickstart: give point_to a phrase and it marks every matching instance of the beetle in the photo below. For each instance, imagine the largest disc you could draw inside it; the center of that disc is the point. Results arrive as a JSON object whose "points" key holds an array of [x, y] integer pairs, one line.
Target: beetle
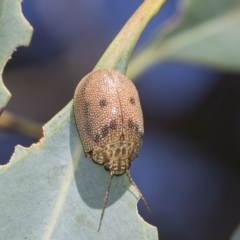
{"points": [[109, 119]]}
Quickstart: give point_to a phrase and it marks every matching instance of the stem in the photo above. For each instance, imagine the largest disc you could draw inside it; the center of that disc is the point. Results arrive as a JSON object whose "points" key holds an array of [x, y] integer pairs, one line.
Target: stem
{"points": [[20, 125]]}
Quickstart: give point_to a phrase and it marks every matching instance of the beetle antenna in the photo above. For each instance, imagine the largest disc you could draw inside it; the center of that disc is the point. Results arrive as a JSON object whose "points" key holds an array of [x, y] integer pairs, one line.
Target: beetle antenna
{"points": [[106, 196], [141, 196]]}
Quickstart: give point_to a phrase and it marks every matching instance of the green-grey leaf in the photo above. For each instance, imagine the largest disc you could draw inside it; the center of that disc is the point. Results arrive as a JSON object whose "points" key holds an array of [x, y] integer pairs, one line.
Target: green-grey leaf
{"points": [[14, 31], [205, 32], [51, 191], [48, 192]]}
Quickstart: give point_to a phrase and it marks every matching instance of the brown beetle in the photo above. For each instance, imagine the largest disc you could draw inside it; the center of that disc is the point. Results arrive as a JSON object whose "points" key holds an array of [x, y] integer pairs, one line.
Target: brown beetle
{"points": [[109, 119]]}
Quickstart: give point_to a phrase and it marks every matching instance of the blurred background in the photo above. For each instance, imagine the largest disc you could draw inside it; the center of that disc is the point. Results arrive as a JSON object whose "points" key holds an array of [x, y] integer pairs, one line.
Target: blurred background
{"points": [[188, 168]]}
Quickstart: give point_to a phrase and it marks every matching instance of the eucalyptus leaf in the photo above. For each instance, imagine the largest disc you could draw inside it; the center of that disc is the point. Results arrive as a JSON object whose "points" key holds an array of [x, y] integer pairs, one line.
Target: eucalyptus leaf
{"points": [[51, 191], [14, 31], [206, 32]]}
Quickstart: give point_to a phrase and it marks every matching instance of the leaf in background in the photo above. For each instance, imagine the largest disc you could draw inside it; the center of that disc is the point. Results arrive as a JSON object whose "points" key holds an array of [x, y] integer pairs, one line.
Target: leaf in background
{"points": [[14, 31], [236, 234], [205, 32], [51, 191]]}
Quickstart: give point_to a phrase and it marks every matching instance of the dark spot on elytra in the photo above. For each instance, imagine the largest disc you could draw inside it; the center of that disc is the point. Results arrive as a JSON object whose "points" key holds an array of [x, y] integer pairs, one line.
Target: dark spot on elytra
{"points": [[131, 123], [134, 126], [96, 138], [123, 151], [104, 131], [88, 128], [103, 103], [113, 125], [86, 108], [132, 100]]}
